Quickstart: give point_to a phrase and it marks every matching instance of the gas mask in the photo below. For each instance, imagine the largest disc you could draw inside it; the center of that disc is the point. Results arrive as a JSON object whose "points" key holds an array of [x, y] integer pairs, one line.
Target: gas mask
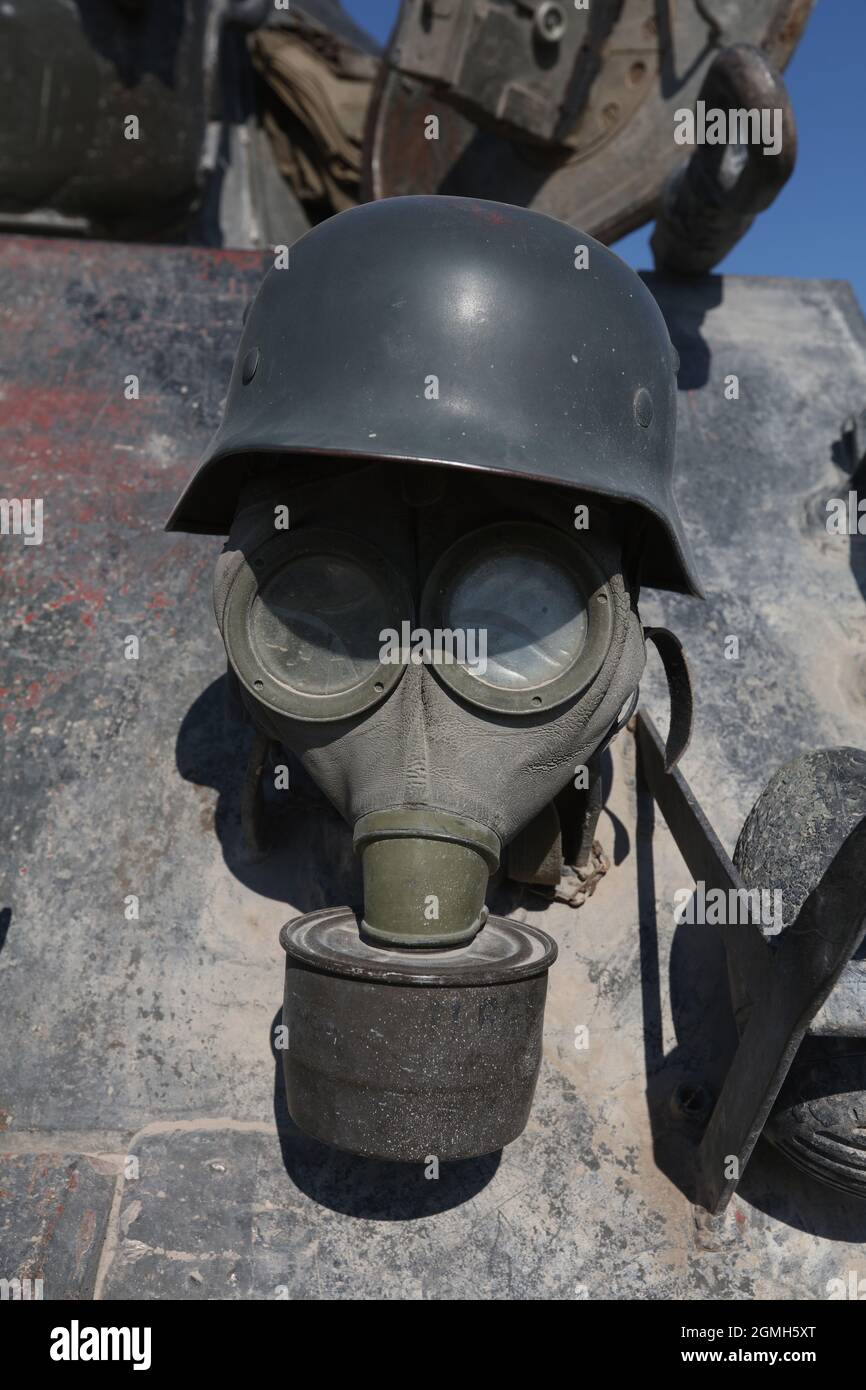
{"points": [[444, 465], [440, 655]]}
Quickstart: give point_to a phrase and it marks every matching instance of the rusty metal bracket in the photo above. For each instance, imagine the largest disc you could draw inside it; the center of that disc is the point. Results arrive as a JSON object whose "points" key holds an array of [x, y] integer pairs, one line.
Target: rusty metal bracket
{"points": [[790, 977]]}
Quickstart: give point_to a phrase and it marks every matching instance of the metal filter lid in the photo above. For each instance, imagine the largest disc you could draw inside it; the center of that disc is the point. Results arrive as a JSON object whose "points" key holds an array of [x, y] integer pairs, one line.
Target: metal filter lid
{"points": [[501, 952]]}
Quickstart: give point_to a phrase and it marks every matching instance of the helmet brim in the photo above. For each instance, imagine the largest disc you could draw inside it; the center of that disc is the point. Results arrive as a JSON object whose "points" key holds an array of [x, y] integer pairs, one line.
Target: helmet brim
{"points": [[208, 504]]}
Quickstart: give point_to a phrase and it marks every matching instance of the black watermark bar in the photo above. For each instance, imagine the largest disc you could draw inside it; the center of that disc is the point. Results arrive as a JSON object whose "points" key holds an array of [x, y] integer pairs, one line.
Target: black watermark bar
{"points": [[146, 1338]]}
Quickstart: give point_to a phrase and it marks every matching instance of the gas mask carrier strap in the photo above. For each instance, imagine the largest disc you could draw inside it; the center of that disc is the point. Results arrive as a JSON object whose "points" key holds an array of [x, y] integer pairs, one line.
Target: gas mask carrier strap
{"points": [[676, 669]]}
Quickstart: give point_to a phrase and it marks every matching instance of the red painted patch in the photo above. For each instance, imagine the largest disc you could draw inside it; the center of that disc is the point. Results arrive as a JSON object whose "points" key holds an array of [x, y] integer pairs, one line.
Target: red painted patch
{"points": [[490, 214]]}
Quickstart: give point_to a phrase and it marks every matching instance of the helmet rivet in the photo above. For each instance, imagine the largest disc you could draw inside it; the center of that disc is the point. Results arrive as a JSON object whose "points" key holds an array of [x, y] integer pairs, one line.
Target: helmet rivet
{"points": [[550, 22], [251, 362], [643, 407]]}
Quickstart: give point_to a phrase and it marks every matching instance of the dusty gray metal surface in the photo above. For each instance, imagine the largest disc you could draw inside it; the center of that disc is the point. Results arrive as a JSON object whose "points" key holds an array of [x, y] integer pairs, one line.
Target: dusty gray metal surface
{"points": [[148, 1042], [753, 475]]}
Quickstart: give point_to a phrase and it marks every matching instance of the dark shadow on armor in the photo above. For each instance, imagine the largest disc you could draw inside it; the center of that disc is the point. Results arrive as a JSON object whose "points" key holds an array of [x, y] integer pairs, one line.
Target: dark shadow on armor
{"points": [[685, 305], [845, 451], [490, 163], [309, 862], [136, 38], [5, 924]]}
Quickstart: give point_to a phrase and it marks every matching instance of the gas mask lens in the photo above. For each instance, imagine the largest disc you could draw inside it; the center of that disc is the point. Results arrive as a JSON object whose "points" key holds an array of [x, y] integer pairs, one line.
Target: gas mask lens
{"points": [[530, 616], [313, 624], [304, 621], [532, 611]]}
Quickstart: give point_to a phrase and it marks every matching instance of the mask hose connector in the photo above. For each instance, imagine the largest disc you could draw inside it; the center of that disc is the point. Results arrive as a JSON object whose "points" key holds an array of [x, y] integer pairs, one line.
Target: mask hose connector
{"points": [[425, 875]]}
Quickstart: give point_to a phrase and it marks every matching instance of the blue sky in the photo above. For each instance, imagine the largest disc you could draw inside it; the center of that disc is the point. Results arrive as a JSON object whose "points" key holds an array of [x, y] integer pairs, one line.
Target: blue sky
{"points": [[817, 226]]}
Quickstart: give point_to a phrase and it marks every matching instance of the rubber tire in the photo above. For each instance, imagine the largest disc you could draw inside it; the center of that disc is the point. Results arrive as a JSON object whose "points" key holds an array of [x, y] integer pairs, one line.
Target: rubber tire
{"points": [[789, 839]]}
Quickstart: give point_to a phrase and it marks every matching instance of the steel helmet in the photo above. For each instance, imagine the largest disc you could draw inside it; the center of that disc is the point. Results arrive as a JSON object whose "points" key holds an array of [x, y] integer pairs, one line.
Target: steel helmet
{"points": [[458, 332]]}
